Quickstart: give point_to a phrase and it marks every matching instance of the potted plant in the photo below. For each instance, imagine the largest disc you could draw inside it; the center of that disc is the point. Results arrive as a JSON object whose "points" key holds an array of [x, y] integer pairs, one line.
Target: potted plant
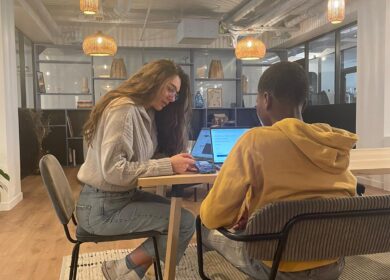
{"points": [[5, 176]]}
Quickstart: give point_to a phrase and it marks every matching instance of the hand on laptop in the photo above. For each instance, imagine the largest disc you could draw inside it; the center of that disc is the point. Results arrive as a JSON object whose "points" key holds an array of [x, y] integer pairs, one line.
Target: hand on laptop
{"points": [[182, 163]]}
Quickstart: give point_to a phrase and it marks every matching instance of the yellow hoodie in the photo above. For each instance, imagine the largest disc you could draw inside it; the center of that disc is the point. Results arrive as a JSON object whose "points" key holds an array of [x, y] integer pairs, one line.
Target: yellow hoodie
{"points": [[289, 160]]}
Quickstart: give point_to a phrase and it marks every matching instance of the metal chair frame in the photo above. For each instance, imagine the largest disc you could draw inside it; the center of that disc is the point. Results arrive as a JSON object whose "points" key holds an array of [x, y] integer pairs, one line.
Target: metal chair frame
{"points": [[281, 236]]}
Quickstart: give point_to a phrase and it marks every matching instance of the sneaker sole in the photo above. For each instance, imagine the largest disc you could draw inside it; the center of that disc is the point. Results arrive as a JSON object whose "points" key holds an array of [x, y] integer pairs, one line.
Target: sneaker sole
{"points": [[105, 272]]}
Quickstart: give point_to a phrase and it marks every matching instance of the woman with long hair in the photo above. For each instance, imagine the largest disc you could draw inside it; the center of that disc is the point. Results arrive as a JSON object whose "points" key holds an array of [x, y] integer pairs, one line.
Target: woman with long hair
{"points": [[136, 130]]}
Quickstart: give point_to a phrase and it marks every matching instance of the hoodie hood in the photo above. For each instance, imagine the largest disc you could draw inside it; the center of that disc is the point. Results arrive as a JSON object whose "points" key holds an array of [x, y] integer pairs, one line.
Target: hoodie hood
{"points": [[326, 147]]}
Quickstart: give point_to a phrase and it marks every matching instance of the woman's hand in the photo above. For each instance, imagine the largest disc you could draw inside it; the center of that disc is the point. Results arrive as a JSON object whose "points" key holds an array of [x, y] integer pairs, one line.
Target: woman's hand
{"points": [[182, 163]]}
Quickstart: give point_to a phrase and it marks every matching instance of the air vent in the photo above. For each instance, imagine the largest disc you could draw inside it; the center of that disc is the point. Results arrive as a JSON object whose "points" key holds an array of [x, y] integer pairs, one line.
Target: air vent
{"points": [[197, 31]]}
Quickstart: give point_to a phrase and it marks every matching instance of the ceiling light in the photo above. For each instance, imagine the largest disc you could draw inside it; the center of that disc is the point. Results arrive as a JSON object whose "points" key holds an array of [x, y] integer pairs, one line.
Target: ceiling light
{"points": [[89, 7], [250, 48], [99, 44], [336, 11]]}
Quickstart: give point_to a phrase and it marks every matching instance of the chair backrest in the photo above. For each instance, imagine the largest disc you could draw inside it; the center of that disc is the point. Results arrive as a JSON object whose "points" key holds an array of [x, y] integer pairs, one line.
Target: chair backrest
{"points": [[348, 226], [58, 187]]}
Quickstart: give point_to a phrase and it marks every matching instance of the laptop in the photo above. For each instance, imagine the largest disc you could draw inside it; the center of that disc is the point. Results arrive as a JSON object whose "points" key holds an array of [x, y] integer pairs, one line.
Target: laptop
{"points": [[222, 141], [202, 147]]}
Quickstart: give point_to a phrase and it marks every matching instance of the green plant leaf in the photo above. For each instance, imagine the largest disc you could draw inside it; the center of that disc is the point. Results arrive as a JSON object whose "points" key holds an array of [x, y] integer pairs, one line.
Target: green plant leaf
{"points": [[5, 175]]}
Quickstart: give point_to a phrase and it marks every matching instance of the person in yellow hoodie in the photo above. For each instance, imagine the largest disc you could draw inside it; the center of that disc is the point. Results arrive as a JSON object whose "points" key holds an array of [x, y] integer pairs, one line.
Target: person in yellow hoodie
{"points": [[286, 159]]}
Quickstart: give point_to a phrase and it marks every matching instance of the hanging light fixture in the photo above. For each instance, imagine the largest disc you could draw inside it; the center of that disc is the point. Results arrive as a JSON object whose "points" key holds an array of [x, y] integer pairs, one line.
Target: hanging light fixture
{"points": [[99, 44], [336, 11], [89, 7], [250, 48]]}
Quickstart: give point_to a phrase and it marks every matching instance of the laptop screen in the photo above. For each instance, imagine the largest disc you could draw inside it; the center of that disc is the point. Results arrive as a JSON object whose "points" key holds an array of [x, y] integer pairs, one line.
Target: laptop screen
{"points": [[223, 140], [202, 147]]}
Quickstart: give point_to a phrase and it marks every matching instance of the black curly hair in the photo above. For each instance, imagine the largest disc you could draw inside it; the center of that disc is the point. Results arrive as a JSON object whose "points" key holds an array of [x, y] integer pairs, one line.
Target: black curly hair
{"points": [[287, 81]]}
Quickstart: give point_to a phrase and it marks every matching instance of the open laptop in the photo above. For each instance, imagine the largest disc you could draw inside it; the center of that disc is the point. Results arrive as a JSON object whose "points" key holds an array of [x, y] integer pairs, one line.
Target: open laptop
{"points": [[202, 147], [222, 141]]}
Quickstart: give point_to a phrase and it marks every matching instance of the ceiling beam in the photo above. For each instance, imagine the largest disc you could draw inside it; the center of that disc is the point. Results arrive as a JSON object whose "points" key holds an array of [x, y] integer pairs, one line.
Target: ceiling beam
{"points": [[242, 11], [146, 21], [41, 17]]}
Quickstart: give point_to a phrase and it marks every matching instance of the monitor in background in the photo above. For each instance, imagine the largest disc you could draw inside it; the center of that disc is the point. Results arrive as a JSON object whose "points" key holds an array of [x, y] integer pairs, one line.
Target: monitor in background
{"points": [[202, 147], [223, 140]]}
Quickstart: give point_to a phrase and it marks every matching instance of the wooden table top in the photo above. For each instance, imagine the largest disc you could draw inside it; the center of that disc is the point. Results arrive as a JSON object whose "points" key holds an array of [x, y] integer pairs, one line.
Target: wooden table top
{"points": [[362, 162]]}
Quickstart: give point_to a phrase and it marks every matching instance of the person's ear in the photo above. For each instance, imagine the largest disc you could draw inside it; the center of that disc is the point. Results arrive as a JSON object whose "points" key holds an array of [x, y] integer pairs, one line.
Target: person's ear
{"points": [[268, 100], [304, 105]]}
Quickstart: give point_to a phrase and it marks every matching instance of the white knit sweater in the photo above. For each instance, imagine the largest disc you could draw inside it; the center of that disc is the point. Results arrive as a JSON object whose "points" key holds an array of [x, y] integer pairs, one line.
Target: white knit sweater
{"points": [[121, 152]]}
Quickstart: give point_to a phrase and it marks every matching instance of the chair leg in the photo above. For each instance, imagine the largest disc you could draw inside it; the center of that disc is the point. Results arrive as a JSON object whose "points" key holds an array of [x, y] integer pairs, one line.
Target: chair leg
{"points": [[157, 266], [199, 248], [73, 261]]}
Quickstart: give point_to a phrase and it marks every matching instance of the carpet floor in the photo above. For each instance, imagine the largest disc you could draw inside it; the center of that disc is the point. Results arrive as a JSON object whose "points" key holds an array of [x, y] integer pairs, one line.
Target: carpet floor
{"points": [[368, 267]]}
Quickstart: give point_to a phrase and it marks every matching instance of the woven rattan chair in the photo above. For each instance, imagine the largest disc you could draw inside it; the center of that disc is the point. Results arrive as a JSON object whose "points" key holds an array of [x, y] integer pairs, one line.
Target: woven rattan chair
{"points": [[317, 229], [61, 197]]}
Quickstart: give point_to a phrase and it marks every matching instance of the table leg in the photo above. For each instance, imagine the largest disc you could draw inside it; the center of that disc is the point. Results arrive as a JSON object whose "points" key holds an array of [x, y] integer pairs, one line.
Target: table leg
{"points": [[161, 190], [173, 236]]}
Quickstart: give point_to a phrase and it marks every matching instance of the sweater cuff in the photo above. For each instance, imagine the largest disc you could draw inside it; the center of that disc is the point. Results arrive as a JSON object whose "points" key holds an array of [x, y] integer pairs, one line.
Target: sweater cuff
{"points": [[164, 166]]}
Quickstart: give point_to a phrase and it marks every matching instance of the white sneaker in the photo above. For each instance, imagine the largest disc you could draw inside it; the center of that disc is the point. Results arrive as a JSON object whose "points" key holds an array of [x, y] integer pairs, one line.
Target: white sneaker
{"points": [[114, 269], [131, 275]]}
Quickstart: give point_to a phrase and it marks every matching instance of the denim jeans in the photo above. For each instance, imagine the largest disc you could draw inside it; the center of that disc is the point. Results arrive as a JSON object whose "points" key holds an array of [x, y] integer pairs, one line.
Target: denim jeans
{"points": [[233, 251], [112, 213]]}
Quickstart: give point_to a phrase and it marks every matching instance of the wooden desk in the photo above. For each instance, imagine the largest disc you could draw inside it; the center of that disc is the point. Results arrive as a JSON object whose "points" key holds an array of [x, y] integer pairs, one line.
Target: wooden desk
{"points": [[362, 162]]}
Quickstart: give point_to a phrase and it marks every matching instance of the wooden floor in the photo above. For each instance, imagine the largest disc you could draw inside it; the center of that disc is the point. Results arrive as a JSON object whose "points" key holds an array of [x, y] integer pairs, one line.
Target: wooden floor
{"points": [[32, 240]]}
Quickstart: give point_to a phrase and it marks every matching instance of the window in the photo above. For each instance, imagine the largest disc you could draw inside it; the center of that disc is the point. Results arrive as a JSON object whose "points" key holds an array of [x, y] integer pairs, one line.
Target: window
{"points": [[322, 70], [348, 48]]}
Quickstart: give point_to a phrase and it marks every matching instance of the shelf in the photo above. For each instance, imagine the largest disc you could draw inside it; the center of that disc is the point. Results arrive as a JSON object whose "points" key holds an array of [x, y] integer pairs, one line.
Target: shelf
{"points": [[216, 80], [57, 125], [185, 64], [250, 93], [63, 62], [109, 79], [62, 94], [256, 65]]}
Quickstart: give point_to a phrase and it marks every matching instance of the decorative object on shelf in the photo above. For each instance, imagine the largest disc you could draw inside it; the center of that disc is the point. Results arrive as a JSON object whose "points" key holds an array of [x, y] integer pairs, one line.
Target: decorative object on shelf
{"points": [[215, 70], [41, 82], [214, 97], [244, 84], [199, 102], [118, 69], [99, 44], [5, 176], [336, 11], [84, 85], [250, 48], [201, 71], [89, 7], [219, 119]]}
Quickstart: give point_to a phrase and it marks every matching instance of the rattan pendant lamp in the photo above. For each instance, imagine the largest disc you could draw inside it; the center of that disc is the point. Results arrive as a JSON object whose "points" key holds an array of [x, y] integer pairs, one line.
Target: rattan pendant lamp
{"points": [[89, 7], [336, 11], [99, 44], [250, 48]]}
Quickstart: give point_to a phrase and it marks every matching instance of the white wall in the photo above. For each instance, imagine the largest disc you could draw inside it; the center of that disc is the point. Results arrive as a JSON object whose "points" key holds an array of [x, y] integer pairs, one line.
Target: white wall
{"points": [[373, 70]]}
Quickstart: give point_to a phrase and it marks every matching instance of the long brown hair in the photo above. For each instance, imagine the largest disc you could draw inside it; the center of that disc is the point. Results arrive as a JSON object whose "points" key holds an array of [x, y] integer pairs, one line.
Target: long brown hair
{"points": [[172, 122]]}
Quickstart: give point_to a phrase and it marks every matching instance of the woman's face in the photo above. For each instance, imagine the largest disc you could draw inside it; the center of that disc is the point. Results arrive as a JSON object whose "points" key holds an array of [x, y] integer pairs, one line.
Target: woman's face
{"points": [[167, 93]]}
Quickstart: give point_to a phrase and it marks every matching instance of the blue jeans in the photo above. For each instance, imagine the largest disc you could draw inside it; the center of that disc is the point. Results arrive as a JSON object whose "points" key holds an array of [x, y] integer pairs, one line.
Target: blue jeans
{"points": [[112, 213], [234, 252]]}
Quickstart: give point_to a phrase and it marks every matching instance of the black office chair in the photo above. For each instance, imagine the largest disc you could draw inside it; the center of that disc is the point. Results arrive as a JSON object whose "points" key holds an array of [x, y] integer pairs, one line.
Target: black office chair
{"points": [[61, 197]]}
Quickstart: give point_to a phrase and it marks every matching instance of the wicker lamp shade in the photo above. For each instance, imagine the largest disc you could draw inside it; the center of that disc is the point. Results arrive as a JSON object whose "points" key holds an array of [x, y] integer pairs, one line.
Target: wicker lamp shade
{"points": [[99, 44], [89, 7], [250, 48], [336, 11]]}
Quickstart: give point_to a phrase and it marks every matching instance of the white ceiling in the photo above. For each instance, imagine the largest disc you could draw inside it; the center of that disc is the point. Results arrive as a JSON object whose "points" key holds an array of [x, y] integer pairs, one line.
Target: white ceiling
{"points": [[57, 21]]}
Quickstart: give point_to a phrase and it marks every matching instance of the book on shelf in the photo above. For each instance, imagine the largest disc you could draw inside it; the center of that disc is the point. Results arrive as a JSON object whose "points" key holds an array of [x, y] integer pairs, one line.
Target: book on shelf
{"points": [[69, 125], [81, 104]]}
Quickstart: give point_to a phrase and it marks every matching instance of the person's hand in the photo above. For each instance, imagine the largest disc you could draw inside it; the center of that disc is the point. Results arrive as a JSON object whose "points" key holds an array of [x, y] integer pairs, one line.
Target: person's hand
{"points": [[182, 163], [241, 224]]}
